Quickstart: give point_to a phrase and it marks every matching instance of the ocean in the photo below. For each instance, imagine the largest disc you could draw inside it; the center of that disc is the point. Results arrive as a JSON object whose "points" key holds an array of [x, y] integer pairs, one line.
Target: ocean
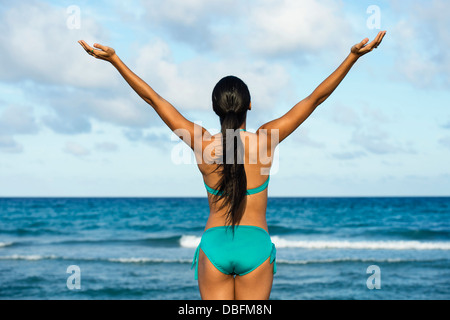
{"points": [[142, 248]]}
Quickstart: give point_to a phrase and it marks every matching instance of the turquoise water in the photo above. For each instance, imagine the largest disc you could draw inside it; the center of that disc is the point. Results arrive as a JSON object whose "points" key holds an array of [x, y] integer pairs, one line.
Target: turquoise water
{"points": [[142, 248]]}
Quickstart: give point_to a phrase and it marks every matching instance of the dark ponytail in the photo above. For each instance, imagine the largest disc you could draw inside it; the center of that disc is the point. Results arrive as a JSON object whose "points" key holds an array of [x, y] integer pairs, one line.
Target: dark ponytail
{"points": [[231, 100]]}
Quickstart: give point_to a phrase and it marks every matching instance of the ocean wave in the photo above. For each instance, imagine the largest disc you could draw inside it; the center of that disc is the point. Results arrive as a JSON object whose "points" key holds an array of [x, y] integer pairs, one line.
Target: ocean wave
{"points": [[5, 244], [28, 258], [144, 260], [278, 229], [136, 260], [411, 234], [148, 260], [193, 241], [32, 231], [171, 241], [357, 260], [360, 245], [190, 241]]}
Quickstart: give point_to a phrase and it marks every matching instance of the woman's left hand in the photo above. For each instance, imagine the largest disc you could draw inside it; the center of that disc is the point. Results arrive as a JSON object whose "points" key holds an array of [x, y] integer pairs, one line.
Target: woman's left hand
{"points": [[100, 52]]}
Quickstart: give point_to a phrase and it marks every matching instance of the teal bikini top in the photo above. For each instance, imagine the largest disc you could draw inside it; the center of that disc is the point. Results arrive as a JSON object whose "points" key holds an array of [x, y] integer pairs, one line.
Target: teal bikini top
{"points": [[249, 191]]}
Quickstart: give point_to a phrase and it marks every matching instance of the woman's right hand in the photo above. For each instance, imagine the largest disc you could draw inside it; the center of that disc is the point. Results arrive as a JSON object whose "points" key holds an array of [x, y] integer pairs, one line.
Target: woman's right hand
{"points": [[362, 48], [102, 52]]}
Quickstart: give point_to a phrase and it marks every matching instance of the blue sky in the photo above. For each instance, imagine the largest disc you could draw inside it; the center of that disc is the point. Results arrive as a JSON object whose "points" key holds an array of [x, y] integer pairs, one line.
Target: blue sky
{"points": [[70, 126]]}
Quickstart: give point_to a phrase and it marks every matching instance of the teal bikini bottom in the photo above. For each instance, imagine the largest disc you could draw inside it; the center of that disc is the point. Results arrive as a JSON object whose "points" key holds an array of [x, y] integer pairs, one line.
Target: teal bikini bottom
{"points": [[236, 254]]}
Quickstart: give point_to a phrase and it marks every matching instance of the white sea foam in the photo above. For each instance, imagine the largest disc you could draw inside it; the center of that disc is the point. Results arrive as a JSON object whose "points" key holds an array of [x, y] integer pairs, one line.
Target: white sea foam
{"points": [[135, 260], [27, 258], [131, 260], [331, 261], [193, 241], [190, 241], [148, 260], [362, 245], [5, 244], [116, 260]]}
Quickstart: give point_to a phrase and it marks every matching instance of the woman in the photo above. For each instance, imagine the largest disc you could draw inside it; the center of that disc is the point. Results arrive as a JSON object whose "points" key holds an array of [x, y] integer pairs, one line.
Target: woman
{"points": [[235, 258]]}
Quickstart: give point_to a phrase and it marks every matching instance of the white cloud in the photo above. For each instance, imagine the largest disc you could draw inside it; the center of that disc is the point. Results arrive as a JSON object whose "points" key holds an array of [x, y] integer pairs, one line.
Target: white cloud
{"points": [[445, 141], [18, 120], [37, 45], [349, 155], [263, 27], [361, 116], [181, 84], [122, 111], [71, 110], [303, 138], [292, 26], [423, 38], [67, 125], [188, 12], [192, 21], [38, 48], [107, 147], [374, 115], [76, 149], [161, 140], [373, 142], [379, 142], [345, 115], [189, 84], [9, 145], [87, 88], [42, 49]]}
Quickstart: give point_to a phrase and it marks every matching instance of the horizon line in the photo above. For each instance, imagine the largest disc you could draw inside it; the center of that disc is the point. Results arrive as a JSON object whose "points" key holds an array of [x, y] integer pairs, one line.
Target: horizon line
{"points": [[205, 197]]}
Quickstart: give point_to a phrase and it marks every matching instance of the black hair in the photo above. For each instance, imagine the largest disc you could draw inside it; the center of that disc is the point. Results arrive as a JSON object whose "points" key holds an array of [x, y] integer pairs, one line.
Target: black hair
{"points": [[231, 100]]}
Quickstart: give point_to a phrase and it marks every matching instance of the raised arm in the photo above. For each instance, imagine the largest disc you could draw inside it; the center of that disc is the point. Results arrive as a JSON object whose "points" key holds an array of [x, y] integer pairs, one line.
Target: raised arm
{"points": [[289, 122], [167, 112]]}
